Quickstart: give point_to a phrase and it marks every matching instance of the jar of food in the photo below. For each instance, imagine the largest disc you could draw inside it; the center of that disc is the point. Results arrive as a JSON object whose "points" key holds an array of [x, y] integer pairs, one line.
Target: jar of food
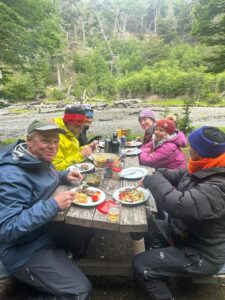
{"points": [[109, 163], [116, 173]]}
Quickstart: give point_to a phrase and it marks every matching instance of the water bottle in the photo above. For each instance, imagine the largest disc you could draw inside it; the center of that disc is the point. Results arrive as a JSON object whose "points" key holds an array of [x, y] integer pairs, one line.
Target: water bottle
{"points": [[115, 144], [123, 142]]}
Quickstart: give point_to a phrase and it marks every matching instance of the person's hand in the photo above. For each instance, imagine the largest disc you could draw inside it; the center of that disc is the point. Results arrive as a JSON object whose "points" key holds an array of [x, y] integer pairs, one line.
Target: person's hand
{"points": [[65, 199], [86, 151], [140, 182], [74, 176], [93, 145]]}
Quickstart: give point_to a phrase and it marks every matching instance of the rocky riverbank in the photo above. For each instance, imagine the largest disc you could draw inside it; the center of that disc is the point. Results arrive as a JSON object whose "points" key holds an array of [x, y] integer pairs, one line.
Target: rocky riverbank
{"points": [[106, 120]]}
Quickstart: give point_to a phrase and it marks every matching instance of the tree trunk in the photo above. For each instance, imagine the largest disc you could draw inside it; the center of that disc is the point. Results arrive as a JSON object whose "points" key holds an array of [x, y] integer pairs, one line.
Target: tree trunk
{"points": [[58, 75]]}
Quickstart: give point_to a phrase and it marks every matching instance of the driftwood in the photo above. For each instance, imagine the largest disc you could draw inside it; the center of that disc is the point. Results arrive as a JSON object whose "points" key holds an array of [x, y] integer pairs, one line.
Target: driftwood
{"points": [[127, 101]]}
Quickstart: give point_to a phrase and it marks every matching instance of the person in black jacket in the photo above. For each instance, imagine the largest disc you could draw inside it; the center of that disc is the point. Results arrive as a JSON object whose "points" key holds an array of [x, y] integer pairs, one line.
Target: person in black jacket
{"points": [[195, 203], [83, 139]]}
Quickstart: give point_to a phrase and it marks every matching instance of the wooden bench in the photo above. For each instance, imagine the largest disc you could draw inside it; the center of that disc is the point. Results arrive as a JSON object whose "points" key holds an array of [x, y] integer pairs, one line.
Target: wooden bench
{"points": [[123, 268]]}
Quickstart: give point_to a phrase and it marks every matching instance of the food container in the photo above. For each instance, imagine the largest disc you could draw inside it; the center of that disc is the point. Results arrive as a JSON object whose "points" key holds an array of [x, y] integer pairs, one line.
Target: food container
{"points": [[100, 159], [116, 173], [93, 180]]}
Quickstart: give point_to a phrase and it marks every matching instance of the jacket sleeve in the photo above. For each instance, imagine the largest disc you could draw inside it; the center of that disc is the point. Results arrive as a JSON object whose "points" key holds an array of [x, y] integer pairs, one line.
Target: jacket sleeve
{"points": [[205, 201], [172, 175], [65, 158], [19, 214], [158, 158]]}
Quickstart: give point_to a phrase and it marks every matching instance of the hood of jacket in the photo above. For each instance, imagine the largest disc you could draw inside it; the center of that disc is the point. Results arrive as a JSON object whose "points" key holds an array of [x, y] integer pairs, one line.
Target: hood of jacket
{"points": [[20, 156]]}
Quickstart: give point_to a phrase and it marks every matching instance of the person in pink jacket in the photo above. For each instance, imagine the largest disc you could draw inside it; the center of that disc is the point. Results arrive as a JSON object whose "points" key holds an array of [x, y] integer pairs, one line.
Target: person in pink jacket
{"points": [[164, 151]]}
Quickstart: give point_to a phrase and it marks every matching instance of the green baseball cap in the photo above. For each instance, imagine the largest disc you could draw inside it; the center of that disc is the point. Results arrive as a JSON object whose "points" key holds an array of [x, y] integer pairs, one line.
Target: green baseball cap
{"points": [[43, 126]]}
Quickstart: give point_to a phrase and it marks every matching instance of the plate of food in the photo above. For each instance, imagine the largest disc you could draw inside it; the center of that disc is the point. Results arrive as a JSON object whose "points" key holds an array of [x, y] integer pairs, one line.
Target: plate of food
{"points": [[131, 151], [88, 196], [82, 167], [131, 195], [133, 144], [133, 173]]}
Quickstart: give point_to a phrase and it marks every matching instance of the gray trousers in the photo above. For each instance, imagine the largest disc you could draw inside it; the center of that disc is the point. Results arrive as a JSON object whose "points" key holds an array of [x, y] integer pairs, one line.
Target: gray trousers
{"points": [[151, 268], [51, 271]]}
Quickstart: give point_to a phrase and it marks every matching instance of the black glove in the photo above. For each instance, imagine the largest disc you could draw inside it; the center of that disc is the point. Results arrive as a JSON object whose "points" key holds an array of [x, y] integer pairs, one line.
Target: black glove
{"points": [[97, 137]]}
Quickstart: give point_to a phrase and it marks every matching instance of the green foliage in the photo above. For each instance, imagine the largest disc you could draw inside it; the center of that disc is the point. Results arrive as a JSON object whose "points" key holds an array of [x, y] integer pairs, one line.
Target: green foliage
{"points": [[57, 94], [184, 122], [209, 26], [136, 85], [20, 87]]}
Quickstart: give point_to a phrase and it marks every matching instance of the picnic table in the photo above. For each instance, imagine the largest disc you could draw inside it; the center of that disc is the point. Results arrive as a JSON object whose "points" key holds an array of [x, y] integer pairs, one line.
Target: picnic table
{"points": [[132, 219]]}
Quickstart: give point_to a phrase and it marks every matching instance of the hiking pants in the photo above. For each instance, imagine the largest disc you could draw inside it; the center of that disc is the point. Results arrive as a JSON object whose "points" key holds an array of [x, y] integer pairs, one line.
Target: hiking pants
{"points": [[151, 268], [51, 271]]}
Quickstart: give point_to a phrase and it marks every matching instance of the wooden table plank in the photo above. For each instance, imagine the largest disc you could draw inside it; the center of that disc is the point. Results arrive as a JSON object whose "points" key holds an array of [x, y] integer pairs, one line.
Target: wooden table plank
{"points": [[133, 219], [80, 216]]}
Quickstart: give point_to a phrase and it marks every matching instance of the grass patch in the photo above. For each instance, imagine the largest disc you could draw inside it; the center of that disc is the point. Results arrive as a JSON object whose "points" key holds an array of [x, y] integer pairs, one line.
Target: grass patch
{"points": [[19, 111], [8, 141]]}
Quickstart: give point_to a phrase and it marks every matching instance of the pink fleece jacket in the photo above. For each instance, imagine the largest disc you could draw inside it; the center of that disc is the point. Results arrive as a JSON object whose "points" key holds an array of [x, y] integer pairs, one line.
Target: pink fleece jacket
{"points": [[167, 155]]}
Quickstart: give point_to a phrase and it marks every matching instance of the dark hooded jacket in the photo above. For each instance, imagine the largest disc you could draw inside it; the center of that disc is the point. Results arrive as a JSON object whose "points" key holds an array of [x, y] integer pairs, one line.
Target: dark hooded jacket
{"points": [[196, 208], [26, 184]]}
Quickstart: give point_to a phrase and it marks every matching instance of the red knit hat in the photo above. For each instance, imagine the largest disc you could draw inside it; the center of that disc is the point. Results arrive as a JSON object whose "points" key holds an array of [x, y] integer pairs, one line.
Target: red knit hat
{"points": [[167, 124]]}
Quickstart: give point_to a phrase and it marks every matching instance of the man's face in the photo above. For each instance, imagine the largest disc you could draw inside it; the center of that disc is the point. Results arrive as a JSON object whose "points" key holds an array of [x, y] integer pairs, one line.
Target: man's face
{"points": [[44, 144], [74, 128]]}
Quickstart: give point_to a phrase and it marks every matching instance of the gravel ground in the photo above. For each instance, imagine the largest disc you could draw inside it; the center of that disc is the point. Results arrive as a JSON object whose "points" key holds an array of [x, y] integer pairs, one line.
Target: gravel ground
{"points": [[107, 120]]}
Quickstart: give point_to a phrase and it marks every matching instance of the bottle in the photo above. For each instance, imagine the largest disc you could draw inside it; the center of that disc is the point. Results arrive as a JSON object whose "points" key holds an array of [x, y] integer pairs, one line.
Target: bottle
{"points": [[115, 144], [108, 146], [116, 173], [108, 168], [123, 142]]}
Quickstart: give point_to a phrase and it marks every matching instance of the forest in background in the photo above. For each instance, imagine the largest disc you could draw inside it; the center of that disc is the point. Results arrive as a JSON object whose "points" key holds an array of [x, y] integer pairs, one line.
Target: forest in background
{"points": [[158, 50]]}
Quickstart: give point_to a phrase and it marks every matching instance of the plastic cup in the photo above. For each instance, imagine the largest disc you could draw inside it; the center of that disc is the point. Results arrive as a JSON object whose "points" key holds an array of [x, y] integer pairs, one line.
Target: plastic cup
{"points": [[113, 214]]}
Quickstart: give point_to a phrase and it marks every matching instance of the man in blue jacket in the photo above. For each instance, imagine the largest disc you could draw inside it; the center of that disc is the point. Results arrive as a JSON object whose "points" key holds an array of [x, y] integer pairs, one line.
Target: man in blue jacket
{"points": [[29, 242]]}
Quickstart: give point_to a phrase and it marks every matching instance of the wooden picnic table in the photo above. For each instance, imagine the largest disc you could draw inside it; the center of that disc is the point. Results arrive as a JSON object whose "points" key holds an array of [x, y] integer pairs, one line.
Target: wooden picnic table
{"points": [[132, 218]]}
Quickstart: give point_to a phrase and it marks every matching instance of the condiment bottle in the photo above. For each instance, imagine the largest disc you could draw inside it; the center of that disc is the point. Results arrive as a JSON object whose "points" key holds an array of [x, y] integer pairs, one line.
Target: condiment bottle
{"points": [[116, 173], [123, 142], [108, 168]]}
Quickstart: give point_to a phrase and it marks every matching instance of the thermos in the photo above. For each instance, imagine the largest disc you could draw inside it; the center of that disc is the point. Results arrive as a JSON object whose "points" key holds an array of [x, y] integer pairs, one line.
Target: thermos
{"points": [[108, 146], [115, 144]]}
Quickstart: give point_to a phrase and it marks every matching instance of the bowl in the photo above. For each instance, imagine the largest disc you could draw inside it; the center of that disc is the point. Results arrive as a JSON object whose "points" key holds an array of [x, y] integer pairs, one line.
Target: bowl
{"points": [[93, 179], [99, 159]]}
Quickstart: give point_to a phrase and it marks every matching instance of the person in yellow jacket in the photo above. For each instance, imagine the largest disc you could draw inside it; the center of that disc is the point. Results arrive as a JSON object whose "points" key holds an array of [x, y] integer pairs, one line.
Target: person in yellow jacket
{"points": [[70, 152]]}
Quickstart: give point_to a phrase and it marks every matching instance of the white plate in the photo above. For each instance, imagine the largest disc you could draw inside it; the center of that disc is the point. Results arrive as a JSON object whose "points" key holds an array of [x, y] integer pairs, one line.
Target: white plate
{"points": [[133, 173], [90, 203], [78, 167], [133, 144], [131, 151], [146, 195]]}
